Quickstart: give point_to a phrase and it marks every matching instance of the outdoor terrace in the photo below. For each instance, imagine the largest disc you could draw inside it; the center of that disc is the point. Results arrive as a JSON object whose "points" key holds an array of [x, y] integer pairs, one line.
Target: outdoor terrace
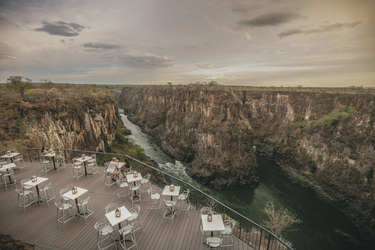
{"points": [[37, 225]]}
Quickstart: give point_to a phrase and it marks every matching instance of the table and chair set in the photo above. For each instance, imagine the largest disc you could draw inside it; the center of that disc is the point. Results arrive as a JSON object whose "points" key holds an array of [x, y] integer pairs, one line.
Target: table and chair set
{"points": [[75, 202]]}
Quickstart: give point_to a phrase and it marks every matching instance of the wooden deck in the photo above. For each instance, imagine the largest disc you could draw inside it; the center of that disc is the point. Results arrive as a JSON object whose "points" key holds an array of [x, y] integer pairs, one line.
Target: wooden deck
{"points": [[38, 225]]}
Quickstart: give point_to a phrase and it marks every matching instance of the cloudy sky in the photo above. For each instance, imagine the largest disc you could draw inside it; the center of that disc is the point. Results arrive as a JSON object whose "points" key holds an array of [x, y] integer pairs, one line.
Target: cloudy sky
{"points": [[233, 42]]}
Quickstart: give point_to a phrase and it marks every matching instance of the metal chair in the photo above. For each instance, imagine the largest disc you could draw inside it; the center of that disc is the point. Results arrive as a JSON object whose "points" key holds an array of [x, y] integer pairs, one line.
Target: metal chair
{"points": [[228, 232], [64, 213], [86, 209], [169, 205], [104, 234], [77, 169], [214, 242], [46, 165], [145, 183], [123, 188], [134, 218], [20, 163], [128, 237], [62, 198], [183, 202], [27, 198], [155, 199], [8, 177], [48, 193], [108, 176], [110, 207], [61, 164]]}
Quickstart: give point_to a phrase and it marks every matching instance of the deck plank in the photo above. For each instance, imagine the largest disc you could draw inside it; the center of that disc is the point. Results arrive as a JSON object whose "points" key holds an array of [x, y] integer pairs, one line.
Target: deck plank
{"points": [[38, 225]]}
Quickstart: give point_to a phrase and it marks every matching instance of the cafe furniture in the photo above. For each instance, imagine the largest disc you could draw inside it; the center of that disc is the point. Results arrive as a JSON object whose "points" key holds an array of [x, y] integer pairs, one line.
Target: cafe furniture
{"points": [[35, 183], [7, 172], [183, 202], [25, 198], [172, 191], [9, 156], [83, 160], [86, 208], [134, 178], [104, 235], [51, 155], [64, 213], [74, 195], [116, 216]]}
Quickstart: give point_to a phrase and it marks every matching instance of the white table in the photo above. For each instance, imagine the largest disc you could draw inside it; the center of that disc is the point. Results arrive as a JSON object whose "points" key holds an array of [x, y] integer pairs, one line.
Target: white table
{"points": [[35, 184], [84, 160], [7, 167], [10, 156], [113, 220], [217, 223], [167, 191], [131, 178], [71, 196], [51, 156]]}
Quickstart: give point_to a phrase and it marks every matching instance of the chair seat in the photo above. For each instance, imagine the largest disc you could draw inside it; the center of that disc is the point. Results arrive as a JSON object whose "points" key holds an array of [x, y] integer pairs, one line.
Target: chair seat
{"points": [[124, 184], [155, 196], [214, 241], [170, 203], [107, 229], [228, 230], [125, 230]]}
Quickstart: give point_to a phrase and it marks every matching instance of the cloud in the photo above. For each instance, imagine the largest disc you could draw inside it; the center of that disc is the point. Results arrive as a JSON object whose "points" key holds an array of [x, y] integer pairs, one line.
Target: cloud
{"points": [[321, 29], [146, 60], [101, 46], [61, 28], [271, 19]]}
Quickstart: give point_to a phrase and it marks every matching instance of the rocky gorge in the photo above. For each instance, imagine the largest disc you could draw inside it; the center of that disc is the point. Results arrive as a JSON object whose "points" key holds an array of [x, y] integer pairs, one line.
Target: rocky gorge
{"points": [[322, 138], [71, 117]]}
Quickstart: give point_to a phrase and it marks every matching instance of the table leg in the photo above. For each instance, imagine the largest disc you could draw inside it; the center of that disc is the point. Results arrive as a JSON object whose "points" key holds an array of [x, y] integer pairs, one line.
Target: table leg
{"points": [[77, 206], [54, 165], [37, 192], [84, 164]]}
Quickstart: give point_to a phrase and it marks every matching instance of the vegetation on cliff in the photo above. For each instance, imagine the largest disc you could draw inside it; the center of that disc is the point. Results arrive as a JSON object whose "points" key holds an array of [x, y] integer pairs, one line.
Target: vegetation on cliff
{"points": [[198, 124], [323, 138], [63, 115]]}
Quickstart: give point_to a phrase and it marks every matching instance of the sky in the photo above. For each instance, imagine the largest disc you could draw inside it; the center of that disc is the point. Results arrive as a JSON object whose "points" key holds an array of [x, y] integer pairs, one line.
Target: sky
{"points": [[312, 43]]}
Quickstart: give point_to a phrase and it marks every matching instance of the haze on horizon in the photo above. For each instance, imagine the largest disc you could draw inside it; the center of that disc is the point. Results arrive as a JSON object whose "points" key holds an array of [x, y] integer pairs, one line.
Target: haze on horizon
{"points": [[315, 43]]}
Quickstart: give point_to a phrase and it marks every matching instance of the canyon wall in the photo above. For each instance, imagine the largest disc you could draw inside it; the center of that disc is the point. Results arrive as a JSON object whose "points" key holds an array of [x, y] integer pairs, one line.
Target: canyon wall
{"points": [[323, 139], [73, 118]]}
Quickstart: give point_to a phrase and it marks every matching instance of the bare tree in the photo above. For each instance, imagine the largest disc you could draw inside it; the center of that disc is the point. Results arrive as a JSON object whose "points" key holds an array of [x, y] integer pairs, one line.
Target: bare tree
{"points": [[278, 219]]}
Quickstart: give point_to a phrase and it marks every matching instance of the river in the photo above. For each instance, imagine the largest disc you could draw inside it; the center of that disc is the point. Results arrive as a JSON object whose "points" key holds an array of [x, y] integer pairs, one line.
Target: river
{"points": [[319, 220]]}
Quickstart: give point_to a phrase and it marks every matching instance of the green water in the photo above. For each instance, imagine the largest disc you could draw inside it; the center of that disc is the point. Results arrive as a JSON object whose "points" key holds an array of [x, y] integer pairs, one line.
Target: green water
{"points": [[319, 221]]}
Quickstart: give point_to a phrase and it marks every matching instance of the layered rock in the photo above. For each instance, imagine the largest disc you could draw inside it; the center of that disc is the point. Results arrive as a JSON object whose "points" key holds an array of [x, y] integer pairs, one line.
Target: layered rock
{"points": [[203, 126], [72, 118], [323, 139]]}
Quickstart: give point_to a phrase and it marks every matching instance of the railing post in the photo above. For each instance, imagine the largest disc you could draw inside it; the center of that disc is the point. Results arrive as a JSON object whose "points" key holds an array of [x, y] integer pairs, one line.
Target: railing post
{"points": [[260, 239], [28, 151], [269, 240]]}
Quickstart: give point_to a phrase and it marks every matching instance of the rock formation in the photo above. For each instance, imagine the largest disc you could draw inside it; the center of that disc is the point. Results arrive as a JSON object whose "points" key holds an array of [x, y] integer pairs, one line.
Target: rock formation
{"points": [[323, 138]]}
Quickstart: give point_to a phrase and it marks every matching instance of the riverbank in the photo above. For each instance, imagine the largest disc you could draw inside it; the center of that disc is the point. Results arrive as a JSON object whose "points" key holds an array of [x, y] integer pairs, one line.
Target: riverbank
{"points": [[331, 197]]}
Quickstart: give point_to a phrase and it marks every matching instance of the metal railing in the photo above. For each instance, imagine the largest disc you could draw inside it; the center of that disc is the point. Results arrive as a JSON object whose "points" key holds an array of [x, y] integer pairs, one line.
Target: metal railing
{"points": [[246, 230]]}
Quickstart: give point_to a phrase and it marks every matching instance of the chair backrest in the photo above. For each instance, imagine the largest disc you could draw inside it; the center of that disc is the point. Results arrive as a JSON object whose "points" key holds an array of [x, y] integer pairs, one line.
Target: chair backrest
{"points": [[205, 210], [135, 209], [63, 191], [147, 176], [23, 181], [110, 207]]}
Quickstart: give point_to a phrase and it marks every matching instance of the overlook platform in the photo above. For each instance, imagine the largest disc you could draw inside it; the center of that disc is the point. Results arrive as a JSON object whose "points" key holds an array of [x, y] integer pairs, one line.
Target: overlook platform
{"points": [[37, 226]]}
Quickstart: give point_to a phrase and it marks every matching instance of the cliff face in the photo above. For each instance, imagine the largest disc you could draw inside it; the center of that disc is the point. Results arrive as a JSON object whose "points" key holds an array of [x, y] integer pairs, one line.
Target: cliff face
{"points": [[78, 118], [323, 140], [204, 127]]}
